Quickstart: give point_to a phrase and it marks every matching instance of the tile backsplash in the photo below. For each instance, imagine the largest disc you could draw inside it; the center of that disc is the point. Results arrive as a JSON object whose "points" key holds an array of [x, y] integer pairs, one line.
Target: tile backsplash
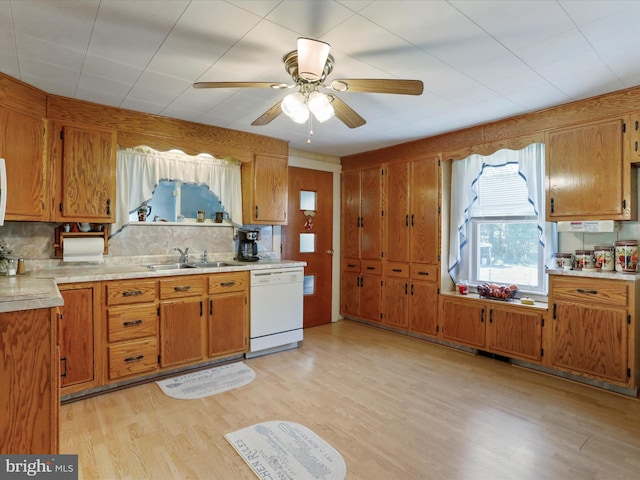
{"points": [[569, 242], [34, 242]]}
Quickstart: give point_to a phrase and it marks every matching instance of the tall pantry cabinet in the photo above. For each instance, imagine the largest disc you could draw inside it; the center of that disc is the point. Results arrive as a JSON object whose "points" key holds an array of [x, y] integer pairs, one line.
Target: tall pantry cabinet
{"points": [[391, 244], [361, 243]]}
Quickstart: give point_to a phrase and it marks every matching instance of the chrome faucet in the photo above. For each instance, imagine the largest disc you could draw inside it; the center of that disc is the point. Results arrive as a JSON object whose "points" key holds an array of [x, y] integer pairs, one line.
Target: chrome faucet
{"points": [[205, 256], [184, 255]]}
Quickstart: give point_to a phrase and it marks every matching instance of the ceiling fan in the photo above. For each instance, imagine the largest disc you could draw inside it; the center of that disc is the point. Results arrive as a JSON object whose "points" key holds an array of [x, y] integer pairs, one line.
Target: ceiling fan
{"points": [[309, 67]]}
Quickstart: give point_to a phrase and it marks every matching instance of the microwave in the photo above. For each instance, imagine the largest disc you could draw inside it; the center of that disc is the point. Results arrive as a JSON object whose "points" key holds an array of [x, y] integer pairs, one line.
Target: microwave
{"points": [[3, 190]]}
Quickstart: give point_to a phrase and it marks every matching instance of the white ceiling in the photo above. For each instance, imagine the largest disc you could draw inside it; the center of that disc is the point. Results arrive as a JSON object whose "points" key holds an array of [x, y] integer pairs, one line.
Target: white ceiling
{"points": [[480, 60]]}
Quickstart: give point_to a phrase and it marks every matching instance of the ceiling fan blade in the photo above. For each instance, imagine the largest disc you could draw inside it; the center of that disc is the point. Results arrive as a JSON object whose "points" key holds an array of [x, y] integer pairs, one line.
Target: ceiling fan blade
{"points": [[269, 115], [240, 85], [373, 85], [346, 114]]}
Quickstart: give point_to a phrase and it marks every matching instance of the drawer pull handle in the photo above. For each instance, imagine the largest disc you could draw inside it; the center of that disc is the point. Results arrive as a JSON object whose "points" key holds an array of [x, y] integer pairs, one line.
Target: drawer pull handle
{"points": [[396, 269], [131, 293], [590, 292], [132, 323], [371, 268], [423, 273], [227, 284], [134, 359], [183, 288]]}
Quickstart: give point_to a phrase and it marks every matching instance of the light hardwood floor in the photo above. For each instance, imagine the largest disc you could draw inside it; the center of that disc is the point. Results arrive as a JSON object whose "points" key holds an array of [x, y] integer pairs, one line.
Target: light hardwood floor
{"points": [[394, 407]]}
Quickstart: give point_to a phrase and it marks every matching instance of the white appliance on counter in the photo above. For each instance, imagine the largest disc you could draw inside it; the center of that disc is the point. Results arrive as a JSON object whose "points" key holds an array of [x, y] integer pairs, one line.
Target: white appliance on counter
{"points": [[276, 310]]}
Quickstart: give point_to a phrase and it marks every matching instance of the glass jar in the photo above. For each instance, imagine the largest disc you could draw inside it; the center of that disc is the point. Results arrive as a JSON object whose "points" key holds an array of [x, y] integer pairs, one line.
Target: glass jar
{"points": [[564, 260], [603, 257], [626, 252], [12, 267], [583, 259]]}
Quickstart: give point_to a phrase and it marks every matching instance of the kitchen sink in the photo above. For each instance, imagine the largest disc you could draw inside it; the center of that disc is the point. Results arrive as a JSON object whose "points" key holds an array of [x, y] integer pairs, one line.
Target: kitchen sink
{"points": [[169, 266], [211, 264]]}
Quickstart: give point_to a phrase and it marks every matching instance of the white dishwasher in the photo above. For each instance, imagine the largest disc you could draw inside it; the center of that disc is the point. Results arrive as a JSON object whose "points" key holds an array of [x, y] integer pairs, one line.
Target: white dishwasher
{"points": [[276, 309]]}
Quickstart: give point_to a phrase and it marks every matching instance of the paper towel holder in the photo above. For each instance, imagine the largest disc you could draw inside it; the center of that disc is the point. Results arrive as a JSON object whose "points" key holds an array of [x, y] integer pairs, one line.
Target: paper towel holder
{"points": [[60, 235]]}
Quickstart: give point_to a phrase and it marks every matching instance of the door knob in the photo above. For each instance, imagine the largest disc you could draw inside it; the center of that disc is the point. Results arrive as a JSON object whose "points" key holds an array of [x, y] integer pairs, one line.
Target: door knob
{"points": [[330, 252]]}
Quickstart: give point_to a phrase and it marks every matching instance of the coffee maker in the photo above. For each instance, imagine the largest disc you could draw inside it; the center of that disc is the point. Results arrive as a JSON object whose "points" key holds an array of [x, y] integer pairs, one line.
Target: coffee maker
{"points": [[248, 245]]}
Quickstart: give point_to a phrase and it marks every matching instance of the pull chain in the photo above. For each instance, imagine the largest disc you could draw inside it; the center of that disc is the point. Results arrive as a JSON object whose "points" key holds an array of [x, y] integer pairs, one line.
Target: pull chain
{"points": [[310, 129]]}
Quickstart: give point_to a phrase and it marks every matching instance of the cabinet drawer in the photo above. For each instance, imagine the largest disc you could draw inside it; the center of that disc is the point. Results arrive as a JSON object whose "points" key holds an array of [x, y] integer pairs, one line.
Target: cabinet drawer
{"points": [[130, 291], [395, 269], [351, 265], [129, 358], [187, 286], [132, 321], [580, 290], [228, 282], [424, 272], [372, 267]]}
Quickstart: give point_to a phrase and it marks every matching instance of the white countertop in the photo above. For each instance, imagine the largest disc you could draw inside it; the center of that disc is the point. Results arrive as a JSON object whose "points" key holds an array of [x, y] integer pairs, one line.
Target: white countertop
{"points": [[629, 277], [38, 289]]}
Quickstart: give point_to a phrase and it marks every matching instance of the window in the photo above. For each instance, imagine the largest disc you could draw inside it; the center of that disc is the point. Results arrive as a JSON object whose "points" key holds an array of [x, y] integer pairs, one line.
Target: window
{"points": [[501, 233]]}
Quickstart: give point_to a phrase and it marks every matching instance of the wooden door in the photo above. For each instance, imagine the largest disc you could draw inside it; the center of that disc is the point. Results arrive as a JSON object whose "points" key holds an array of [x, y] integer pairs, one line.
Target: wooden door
{"points": [[515, 333], [350, 293], [88, 185], [592, 340], [180, 331], [308, 237], [397, 212], [22, 147], [227, 326], [423, 308], [350, 224], [463, 322], [585, 172], [396, 302], [371, 214], [425, 211], [371, 297], [76, 337], [270, 190]]}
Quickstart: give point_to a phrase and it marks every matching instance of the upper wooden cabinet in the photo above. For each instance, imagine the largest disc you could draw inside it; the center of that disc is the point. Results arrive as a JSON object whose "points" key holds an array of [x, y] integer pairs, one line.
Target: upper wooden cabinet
{"points": [[589, 175], [85, 179], [361, 214], [265, 191], [413, 211], [22, 143]]}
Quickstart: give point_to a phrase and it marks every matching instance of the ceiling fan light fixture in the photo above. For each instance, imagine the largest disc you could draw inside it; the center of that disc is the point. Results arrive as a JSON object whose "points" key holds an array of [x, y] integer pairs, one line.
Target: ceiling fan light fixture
{"points": [[312, 57], [320, 106], [294, 107]]}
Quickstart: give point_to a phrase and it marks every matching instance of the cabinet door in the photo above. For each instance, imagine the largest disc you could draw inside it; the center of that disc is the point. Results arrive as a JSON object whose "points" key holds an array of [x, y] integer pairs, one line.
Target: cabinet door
{"points": [[370, 297], [463, 322], [88, 183], [397, 212], [265, 201], [591, 340], [76, 337], [227, 325], [351, 215], [395, 311], [22, 147], [181, 331], [586, 173], [350, 294], [423, 308], [515, 333], [425, 211], [371, 214]]}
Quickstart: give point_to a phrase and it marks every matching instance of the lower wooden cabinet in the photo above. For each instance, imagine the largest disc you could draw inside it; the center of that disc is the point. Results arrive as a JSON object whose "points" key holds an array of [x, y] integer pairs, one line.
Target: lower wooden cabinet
{"points": [[30, 396], [228, 314], [591, 325], [507, 329], [77, 336], [361, 289]]}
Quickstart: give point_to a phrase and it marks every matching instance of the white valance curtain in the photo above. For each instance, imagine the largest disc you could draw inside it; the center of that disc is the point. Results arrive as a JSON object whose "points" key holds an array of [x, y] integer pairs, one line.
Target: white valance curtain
{"points": [[464, 178], [140, 169]]}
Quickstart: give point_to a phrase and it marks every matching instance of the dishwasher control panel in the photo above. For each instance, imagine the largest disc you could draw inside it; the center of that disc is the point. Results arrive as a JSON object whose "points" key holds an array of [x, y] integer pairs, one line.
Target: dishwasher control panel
{"points": [[273, 277]]}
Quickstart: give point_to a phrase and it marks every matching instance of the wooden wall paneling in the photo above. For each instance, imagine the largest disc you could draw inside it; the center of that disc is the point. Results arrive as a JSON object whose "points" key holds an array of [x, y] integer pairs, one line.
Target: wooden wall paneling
{"points": [[22, 97], [182, 132]]}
